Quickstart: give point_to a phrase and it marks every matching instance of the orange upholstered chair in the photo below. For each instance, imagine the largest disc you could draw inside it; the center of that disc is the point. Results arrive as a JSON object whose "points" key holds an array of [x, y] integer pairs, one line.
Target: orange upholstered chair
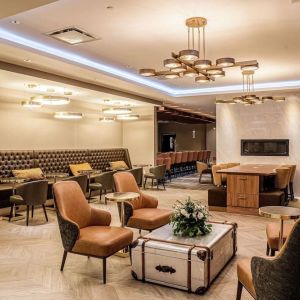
{"points": [[86, 230], [141, 213]]}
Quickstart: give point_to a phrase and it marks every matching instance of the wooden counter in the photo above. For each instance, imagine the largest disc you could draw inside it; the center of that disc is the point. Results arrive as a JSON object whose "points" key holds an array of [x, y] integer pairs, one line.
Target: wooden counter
{"points": [[243, 186]]}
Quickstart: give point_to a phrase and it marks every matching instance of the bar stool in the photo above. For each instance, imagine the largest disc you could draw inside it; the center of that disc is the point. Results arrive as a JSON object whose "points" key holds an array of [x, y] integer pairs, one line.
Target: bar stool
{"points": [[183, 165], [177, 164], [200, 155], [167, 162], [172, 156], [208, 153], [195, 157], [190, 160]]}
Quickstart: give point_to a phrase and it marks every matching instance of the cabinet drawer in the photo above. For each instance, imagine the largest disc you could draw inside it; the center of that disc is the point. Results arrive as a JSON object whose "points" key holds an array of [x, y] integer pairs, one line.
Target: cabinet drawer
{"points": [[246, 200], [243, 184]]}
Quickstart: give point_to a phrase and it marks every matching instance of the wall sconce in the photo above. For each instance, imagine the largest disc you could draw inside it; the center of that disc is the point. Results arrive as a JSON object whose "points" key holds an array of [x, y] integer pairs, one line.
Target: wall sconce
{"points": [[194, 134]]}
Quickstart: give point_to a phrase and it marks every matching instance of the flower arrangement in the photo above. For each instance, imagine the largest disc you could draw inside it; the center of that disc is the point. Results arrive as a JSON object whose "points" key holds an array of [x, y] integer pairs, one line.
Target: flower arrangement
{"points": [[189, 218]]}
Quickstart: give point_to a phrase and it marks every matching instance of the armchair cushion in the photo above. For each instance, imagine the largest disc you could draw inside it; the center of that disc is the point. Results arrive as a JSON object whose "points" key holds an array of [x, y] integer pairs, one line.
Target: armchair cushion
{"points": [[273, 230], [245, 276], [118, 165], [16, 199], [149, 201], [149, 218], [102, 241]]}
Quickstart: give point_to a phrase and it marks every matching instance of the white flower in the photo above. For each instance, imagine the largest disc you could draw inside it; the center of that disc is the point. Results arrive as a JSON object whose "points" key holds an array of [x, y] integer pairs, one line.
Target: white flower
{"points": [[200, 215], [184, 212]]}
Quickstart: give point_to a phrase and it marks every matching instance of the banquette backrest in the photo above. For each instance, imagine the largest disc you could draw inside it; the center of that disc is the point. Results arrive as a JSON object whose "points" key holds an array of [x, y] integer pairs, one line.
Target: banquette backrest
{"points": [[12, 160], [52, 161], [100, 158]]}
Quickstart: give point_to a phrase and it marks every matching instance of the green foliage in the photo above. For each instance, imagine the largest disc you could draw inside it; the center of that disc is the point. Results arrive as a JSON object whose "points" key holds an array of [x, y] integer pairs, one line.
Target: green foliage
{"points": [[189, 219]]}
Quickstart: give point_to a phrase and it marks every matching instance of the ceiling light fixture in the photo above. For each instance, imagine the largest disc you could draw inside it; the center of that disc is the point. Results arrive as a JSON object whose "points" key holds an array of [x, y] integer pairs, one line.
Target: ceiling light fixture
{"points": [[107, 119], [192, 61], [50, 100], [249, 98], [117, 111], [30, 104], [116, 102], [128, 117], [68, 115], [16, 22]]}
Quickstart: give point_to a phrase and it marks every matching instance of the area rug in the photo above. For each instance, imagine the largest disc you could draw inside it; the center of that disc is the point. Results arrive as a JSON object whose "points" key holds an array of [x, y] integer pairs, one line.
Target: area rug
{"points": [[191, 182]]}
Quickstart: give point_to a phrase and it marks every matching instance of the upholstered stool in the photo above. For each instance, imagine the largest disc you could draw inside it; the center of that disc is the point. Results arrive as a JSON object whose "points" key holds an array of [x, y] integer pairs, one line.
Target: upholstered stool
{"points": [[273, 230], [274, 198]]}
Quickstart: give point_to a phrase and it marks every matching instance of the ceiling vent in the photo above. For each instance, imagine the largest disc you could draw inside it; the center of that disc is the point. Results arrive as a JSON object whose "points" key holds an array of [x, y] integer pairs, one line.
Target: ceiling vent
{"points": [[72, 35]]}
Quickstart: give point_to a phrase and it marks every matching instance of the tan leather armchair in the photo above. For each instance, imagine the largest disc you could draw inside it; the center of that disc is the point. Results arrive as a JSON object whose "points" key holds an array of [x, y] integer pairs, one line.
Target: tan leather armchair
{"points": [[273, 278], [141, 213], [86, 230]]}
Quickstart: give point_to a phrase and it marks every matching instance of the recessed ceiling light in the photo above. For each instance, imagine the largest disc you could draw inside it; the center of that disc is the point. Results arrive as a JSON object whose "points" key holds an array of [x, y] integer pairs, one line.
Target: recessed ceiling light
{"points": [[15, 22], [68, 115]]}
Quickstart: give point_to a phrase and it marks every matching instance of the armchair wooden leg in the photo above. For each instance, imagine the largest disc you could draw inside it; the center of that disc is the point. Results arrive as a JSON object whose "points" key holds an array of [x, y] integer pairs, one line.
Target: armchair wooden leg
{"points": [[45, 212], [104, 270], [27, 215], [239, 291], [145, 181], [32, 210], [11, 211], [63, 260]]}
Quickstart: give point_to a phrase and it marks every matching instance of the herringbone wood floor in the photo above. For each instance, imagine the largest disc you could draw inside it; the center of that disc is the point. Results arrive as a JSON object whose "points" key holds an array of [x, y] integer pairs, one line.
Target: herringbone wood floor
{"points": [[30, 258]]}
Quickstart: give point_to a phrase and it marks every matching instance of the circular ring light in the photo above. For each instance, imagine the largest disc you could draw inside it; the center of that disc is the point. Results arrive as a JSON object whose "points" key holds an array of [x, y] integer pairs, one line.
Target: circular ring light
{"points": [[202, 78], [50, 100], [128, 117], [30, 104], [171, 63], [250, 67], [189, 54], [147, 72], [202, 63], [214, 71], [66, 115], [171, 75], [178, 69], [219, 74], [225, 62], [190, 73], [116, 111], [107, 119]]}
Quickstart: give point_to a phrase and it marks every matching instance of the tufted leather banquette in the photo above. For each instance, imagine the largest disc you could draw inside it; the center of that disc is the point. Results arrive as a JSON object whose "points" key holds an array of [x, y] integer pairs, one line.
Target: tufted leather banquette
{"points": [[52, 161], [13, 160]]}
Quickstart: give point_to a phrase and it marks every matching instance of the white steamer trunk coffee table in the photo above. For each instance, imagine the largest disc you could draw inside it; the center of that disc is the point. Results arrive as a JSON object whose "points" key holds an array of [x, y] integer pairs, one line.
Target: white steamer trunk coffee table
{"points": [[189, 264]]}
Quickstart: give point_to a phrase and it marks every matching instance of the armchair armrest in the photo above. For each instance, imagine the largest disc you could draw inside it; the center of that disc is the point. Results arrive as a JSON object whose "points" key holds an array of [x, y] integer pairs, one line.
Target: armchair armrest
{"points": [[149, 201], [69, 231], [100, 217]]}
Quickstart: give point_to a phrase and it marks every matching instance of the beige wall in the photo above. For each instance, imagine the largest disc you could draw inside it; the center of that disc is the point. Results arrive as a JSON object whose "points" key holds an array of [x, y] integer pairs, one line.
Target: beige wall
{"points": [[139, 137], [184, 138], [268, 121], [211, 138], [20, 130]]}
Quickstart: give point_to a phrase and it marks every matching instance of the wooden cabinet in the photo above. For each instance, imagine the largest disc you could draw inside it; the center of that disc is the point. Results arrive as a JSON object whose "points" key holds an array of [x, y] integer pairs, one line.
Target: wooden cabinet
{"points": [[243, 191]]}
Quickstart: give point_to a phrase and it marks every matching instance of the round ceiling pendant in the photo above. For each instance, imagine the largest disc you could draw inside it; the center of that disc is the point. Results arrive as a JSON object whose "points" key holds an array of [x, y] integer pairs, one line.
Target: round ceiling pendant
{"points": [[30, 104], [219, 74], [190, 73], [171, 75], [196, 22], [202, 78], [252, 67], [202, 63], [68, 115], [214, 71], [107, 119], [189, 54], [225, 62], [178, 69], [147, 72], [116, 111], [267, 98], [171, 63], [279, 99], [50, 100], [128, 117]]}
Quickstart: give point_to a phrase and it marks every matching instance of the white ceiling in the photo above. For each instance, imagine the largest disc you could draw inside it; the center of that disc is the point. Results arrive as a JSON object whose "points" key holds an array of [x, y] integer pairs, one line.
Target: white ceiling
{"points": [[136, 34]]}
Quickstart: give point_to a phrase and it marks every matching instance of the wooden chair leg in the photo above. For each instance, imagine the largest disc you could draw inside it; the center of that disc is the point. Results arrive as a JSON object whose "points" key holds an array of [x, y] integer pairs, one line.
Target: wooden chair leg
{"points": [[45, 212], [104, 270], [145, 181], [32, 210], [268, 250], [152, 184], [163, 182], [239, 291], [63, 260], [11, 212], [27, 215]]}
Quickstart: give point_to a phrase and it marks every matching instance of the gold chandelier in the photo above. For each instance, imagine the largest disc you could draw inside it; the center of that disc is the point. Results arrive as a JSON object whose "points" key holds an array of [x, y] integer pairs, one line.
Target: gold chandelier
{"points": [[192, 62], [248, 97]]}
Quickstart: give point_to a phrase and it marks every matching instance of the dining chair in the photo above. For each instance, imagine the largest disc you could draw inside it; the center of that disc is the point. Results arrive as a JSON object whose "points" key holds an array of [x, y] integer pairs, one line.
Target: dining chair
{"points": [[201, 167], [86, 230], [30, 194], [157, 173], [273, 278], [141, 213]]}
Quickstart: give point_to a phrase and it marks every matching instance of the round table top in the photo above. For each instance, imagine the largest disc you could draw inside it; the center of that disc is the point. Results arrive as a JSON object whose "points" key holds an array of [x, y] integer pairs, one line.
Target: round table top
{"points": [[121, 197], [280, 212], [58, 174], [13, 180]]}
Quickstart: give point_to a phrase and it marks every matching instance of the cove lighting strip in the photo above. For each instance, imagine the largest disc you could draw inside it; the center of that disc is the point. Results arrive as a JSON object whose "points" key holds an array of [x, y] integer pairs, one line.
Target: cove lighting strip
{"points": [[175, 92]]}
